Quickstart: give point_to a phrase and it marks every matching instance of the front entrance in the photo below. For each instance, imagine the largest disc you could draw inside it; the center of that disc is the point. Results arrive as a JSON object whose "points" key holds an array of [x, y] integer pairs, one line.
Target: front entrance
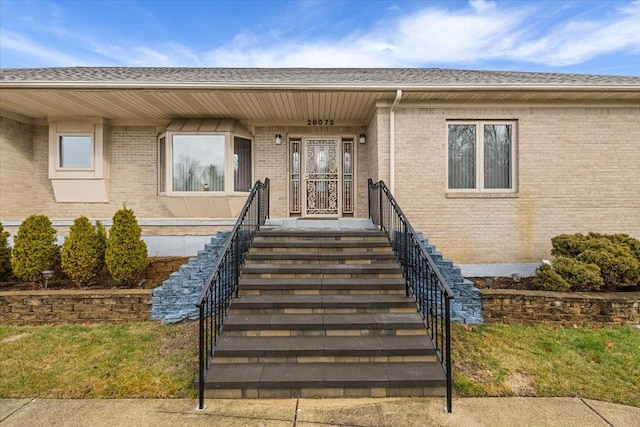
{"points": [[322, 183]]}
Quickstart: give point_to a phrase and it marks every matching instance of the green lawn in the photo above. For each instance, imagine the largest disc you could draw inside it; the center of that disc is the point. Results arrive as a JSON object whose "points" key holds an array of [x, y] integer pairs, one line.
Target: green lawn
{"points": [[500, 360], [107, 361], [153, 360]]}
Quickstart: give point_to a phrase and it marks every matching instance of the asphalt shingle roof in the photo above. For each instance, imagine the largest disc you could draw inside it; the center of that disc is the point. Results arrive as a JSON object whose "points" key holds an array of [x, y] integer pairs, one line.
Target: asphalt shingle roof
{"points": [[296, 76]]}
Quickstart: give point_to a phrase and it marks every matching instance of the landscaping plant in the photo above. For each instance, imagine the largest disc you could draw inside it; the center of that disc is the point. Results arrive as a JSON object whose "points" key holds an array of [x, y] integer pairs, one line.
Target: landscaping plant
{"points": [[83, 252], [126, 253], [34, 248], [5, 253], [590, 262]]}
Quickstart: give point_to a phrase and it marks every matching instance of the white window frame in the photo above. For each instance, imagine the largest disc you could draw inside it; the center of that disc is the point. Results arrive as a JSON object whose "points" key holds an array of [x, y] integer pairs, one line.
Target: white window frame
{"points": [[95, 128], [479, 156], [60, 167], [228, 163]]}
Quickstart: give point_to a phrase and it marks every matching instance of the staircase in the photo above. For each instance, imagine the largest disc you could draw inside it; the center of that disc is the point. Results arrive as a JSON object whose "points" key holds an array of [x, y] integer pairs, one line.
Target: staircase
{"points": [[323, 313]]}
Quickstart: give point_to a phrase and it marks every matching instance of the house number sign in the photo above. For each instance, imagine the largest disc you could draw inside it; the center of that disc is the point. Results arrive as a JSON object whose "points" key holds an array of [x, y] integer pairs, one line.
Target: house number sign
{"points": [[319, 122]]}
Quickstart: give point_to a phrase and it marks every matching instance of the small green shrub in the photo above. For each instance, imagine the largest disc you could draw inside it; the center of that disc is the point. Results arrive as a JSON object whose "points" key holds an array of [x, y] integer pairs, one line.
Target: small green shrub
{"points": [[579, 275], [5, 253], [618, 266], [82, 252], [34, 248], [126, 253], [568, 245], [547, 279]]}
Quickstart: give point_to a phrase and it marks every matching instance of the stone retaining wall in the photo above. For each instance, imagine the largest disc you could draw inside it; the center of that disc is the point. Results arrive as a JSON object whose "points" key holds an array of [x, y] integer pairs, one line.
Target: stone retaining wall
{"points": [[74, 306], [560, 308]]}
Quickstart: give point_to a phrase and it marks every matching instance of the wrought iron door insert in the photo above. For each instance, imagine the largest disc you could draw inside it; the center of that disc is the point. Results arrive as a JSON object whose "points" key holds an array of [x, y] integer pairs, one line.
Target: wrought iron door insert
{"points": [[322, 177]]}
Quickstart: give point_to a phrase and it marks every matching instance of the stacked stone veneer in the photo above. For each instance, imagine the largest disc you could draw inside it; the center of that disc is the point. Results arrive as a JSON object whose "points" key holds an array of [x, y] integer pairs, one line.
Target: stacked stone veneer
{"points": [[176, 299], [466, 306], [74, 306], [561, 308]]}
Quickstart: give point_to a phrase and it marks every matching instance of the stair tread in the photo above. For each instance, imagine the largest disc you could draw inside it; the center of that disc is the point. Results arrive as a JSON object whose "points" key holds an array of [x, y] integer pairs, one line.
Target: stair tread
{"points": [[323, 268], [321, 233], [321, 255], [230, 346], [318, 375], [327, 301], [301, 243], [341, 281], [332, 321]]}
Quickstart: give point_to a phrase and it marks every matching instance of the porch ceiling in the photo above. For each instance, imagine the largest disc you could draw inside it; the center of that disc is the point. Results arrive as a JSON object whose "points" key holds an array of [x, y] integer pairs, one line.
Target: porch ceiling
{"points": [[264, 105]]}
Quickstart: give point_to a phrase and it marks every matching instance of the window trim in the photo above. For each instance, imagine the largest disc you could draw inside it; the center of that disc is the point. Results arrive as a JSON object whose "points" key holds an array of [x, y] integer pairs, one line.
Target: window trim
{"points": [[479, 157], [98, 130], [228, 163]]}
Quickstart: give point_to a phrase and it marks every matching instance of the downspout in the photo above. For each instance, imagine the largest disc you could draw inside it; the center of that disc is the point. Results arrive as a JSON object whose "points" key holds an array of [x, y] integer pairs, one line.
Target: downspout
{"points": [[392, 141]]}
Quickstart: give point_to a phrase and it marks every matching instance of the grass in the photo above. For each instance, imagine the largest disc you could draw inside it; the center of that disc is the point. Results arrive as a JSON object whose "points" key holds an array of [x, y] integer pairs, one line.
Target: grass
{"points": [[501, 360], [150, 360], [99, 361]]}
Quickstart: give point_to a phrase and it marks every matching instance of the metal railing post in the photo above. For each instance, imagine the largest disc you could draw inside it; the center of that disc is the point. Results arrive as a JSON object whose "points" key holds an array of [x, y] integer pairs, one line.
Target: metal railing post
{"points": [[201, 358], [448, 354]]}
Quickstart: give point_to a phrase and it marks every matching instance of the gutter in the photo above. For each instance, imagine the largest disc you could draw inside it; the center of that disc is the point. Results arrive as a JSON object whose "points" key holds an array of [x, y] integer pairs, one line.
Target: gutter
{"points": [[306, 86], [392, 141]]}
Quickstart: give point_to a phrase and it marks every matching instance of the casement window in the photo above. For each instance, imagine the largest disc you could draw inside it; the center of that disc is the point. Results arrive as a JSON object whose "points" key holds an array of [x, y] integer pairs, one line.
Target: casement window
{"points": [[481, 156], [191, 163]]}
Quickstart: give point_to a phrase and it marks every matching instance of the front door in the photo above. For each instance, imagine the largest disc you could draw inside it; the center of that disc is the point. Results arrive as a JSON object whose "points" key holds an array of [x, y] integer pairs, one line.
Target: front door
{"points": [[321, 177]]}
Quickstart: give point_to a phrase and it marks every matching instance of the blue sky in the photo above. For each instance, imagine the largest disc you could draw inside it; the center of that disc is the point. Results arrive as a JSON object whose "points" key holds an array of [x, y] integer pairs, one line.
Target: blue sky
{"points": [[597, 37]]}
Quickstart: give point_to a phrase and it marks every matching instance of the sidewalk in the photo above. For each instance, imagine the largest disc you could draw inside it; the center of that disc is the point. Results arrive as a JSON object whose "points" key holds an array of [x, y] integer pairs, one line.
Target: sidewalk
{"points": [[516, 411]]}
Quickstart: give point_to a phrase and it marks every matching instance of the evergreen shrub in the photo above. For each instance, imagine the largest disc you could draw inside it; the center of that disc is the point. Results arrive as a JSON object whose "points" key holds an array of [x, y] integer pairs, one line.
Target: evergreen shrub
{"points": [[5, 253], [82, 252], [547, 279], [126, 252], [578, 257], [34, 248]]}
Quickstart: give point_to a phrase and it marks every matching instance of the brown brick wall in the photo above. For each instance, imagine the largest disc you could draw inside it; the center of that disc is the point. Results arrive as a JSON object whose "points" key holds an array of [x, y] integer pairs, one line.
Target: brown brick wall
{"points": [[560, 308], [74, 306]]}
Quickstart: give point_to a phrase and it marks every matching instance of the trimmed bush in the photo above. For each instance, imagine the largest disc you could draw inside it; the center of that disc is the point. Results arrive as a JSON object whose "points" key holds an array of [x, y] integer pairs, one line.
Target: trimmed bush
{"points": [[579, 275], [34, 248], [5, 253], [616, 255], [618, 266], [548, 280], [568, 245], [82, 252], [126, 253]]}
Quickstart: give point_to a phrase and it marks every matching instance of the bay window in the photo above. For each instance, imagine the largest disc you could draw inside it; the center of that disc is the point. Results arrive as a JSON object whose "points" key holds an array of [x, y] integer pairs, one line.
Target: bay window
{"points": [[481, 156], [192, 163]]}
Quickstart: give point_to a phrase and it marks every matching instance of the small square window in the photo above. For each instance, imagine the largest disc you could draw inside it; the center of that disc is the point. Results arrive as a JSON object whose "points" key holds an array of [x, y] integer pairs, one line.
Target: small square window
{"points": [[76, 151]]}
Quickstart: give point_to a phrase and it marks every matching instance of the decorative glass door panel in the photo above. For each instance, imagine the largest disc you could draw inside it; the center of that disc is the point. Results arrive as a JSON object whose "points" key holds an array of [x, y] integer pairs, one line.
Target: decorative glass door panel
{"points": [[322, 173]]}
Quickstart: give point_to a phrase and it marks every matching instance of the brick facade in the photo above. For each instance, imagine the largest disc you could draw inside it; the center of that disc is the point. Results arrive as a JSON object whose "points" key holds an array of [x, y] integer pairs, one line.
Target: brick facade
{"points": [[16, 169], [578, 171]]}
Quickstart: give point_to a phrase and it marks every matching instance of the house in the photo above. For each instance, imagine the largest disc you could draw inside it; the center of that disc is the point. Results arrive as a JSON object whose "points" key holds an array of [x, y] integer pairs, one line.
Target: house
{"points": [[489, 165]]}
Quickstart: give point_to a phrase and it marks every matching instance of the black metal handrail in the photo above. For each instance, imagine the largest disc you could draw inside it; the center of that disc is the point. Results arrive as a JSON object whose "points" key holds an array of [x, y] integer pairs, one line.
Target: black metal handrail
{"points": [[424, 280], [222, 284]]}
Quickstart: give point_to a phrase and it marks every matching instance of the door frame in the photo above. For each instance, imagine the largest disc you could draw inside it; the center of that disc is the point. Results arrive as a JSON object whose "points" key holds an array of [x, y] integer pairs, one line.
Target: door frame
{"points": [[297, 199]]}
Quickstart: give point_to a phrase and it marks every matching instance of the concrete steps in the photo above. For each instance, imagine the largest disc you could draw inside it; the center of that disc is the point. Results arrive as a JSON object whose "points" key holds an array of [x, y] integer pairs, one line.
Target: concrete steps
{"points": [[323, 313]]}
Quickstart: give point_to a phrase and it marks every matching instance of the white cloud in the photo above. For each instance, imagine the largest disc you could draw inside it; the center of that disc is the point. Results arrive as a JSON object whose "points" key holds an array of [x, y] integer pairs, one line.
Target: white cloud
{"points": [[26, 49], [483, 31]]}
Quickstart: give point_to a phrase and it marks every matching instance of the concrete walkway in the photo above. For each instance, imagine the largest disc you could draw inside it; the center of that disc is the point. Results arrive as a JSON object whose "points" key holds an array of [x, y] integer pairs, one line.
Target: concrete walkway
{"points": [[391, 412]]}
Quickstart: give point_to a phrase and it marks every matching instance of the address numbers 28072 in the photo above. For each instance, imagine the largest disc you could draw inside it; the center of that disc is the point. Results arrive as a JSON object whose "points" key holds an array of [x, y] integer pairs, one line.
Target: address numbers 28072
{"points": [[320, 122]]}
